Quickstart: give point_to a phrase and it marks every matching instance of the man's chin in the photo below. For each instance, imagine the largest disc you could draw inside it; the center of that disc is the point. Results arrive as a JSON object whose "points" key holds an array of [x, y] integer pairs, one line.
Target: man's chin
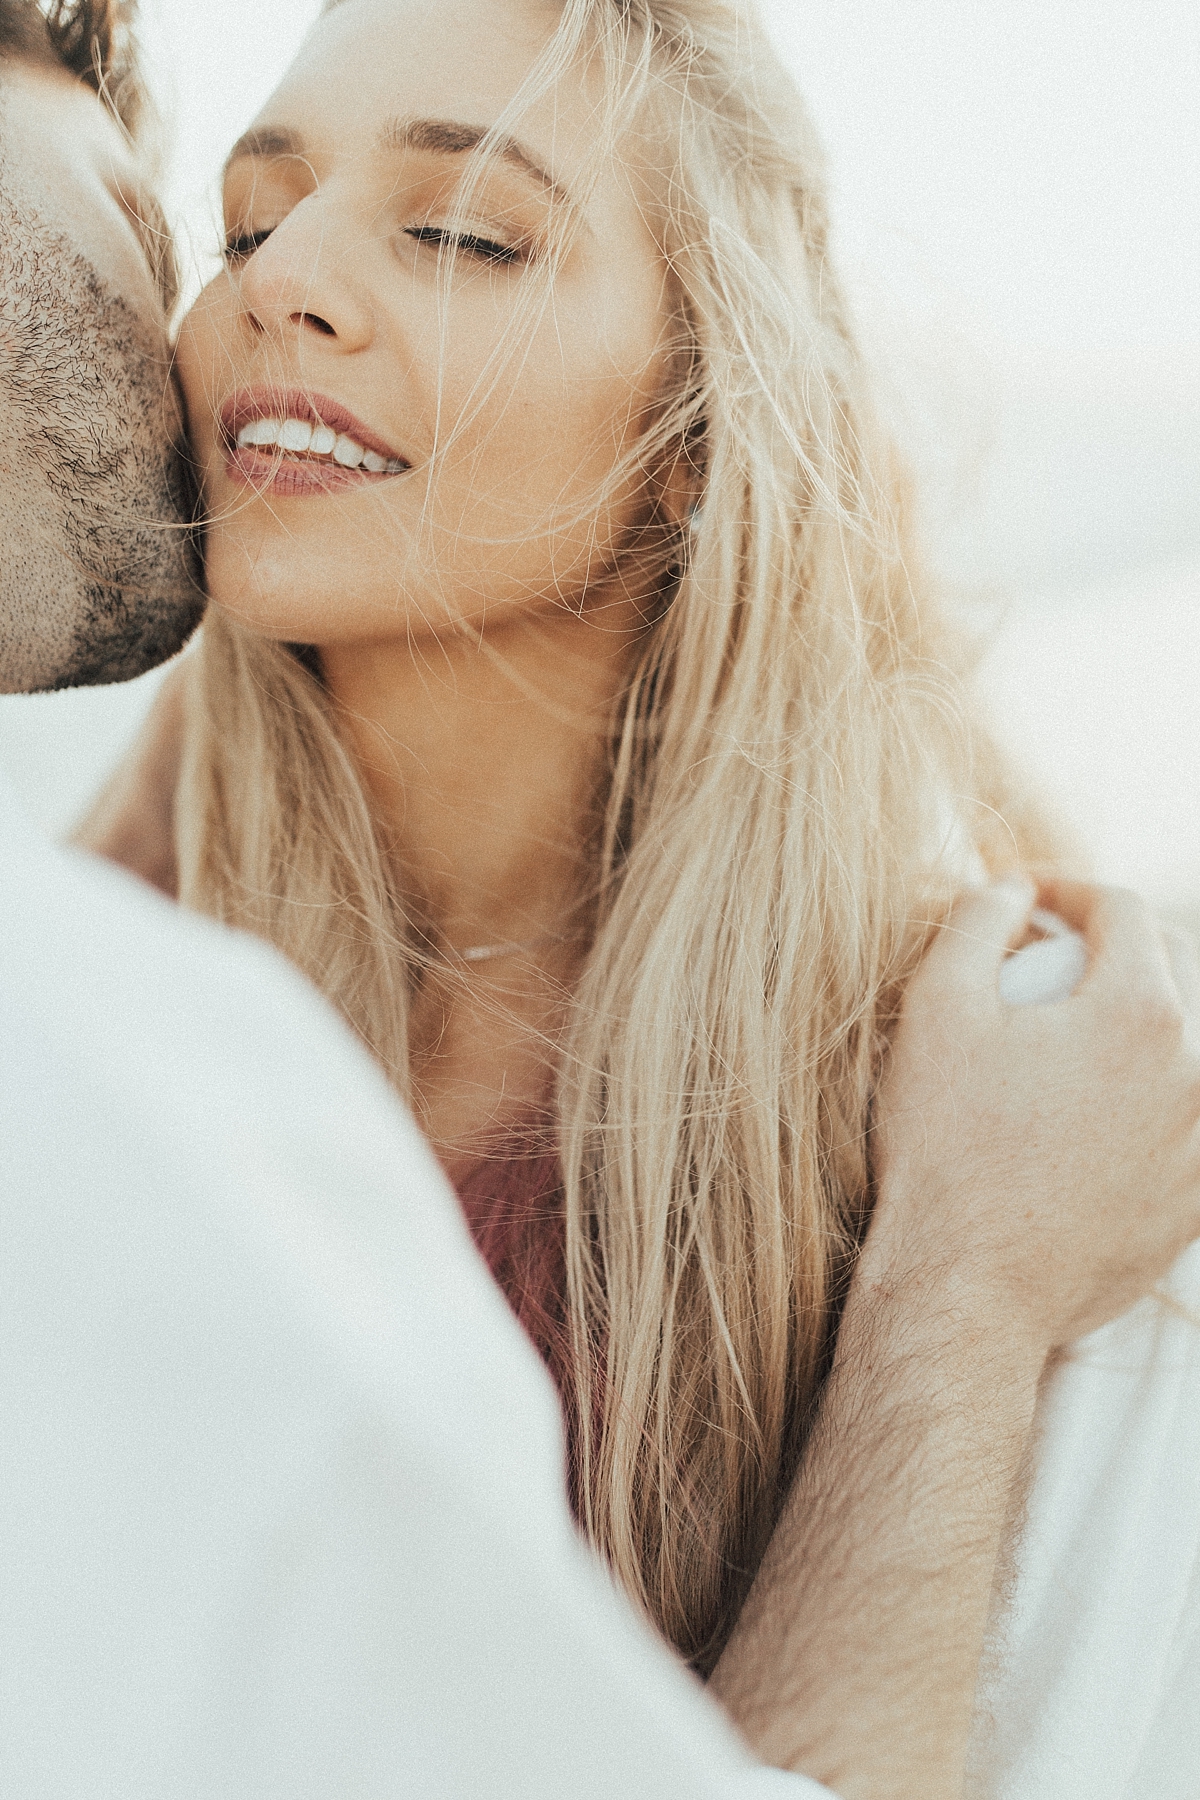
{"points": [[96, 636], [129, 640], [101, 582]]}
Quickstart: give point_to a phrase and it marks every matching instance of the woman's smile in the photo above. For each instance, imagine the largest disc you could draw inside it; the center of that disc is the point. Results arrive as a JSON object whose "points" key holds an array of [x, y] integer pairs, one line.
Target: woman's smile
{"points": [[295, 444]]}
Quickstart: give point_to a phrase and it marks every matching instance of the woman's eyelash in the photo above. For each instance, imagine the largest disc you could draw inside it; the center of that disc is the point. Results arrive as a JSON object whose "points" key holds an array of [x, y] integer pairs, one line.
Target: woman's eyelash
{"points": [[482, 247], [242, 244]]}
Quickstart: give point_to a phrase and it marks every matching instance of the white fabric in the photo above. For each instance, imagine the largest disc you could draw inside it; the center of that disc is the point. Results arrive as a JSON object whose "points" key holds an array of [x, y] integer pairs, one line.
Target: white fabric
{"points": [[281, 1508], [1047, 970], [1098, 1696]]}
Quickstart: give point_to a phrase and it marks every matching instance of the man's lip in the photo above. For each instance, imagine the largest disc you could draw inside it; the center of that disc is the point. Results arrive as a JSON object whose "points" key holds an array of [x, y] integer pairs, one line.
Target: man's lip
{"points": [[249, 404]]}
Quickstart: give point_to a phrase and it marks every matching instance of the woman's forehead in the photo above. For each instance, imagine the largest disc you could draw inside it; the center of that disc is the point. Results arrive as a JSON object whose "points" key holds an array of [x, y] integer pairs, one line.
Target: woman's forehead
{"points": [[382, 75], [465, 59]]}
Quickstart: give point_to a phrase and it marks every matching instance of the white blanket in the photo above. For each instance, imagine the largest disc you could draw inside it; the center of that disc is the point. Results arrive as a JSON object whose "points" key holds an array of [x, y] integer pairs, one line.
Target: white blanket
{"points": [[1097, 1696]]}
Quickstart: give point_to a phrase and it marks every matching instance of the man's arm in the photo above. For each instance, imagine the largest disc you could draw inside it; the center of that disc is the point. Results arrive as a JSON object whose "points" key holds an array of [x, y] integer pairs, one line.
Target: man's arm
{"points": [[856, 1655], [1038, 1168]]}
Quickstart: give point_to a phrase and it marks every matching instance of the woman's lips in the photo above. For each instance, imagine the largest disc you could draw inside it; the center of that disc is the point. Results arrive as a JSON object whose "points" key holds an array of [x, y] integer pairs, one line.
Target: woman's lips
{"points": [[290, 477], [295, 443]]}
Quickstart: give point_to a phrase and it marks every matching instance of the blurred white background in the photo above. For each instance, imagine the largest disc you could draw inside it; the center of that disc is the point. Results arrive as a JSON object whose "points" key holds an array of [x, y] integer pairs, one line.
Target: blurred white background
{"points": [[1017, 205]]}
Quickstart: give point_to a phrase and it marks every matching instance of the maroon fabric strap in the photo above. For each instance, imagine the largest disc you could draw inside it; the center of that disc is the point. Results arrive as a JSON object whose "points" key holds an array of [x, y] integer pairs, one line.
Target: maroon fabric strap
{"points": [[512, 1198]]}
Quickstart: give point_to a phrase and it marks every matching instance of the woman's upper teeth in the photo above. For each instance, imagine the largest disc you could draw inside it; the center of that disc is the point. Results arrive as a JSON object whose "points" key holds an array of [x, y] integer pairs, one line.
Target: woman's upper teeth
{"points": [[298, 437]]}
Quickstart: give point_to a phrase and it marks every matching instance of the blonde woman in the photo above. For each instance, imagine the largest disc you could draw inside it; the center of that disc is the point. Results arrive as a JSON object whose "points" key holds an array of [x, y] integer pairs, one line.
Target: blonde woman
{"points": [[608, 795], [574, 710]]}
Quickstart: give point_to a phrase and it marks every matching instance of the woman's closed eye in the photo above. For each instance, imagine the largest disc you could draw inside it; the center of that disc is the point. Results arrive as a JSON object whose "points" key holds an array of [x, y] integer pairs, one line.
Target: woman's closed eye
{"points": [[241, 245], [442, 237]]}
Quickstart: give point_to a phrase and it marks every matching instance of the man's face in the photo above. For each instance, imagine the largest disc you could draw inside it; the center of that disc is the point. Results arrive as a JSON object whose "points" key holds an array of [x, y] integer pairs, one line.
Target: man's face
{"points": [[97, 581]]}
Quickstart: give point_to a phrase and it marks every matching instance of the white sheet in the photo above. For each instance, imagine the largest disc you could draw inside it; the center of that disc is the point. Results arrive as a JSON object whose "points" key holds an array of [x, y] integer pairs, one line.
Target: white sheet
{"points": [[1098, 1695]]}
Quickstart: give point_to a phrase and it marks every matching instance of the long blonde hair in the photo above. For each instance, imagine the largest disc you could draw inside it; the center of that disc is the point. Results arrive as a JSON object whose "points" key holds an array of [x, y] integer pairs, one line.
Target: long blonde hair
{"points": [[791, 785]]}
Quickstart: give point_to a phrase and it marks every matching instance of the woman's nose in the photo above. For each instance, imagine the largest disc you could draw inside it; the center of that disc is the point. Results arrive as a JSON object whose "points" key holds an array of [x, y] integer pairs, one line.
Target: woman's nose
{"points": [[300, 281]]}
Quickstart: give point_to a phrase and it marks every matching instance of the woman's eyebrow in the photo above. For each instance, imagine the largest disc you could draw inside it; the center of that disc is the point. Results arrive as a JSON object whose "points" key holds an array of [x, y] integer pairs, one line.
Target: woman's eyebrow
{"points": [[438, 137], [449, 137], [266, 140]]}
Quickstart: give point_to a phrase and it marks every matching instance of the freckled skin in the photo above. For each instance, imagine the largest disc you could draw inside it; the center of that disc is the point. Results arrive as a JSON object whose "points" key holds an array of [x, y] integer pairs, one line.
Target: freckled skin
{"points": [[97, 573]]}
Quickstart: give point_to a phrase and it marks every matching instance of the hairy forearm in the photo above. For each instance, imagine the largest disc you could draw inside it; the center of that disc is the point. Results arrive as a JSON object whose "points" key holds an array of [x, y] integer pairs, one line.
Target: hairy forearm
{"points": [[856, 1656]]}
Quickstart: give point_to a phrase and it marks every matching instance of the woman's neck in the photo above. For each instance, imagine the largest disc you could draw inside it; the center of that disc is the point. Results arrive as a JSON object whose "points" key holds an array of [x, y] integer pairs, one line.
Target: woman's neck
{"points": [[484, 759], [482, 756]]}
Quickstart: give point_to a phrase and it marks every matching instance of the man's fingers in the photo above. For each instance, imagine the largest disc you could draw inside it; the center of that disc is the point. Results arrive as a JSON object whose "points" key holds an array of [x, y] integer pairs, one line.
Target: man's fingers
{"points": [[1074, 902], [1130, 959], [1126, 952], [985, 924]]}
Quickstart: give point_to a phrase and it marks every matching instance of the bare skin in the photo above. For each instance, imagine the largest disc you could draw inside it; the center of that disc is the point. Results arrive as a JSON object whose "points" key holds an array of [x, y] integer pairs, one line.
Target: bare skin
{"points": [[131, 821], [490, 811], [1038, 1170]]}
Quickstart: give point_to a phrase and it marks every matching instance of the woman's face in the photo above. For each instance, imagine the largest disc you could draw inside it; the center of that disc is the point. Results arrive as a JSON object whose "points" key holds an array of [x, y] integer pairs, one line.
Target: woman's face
{"points": [[324, 366]]}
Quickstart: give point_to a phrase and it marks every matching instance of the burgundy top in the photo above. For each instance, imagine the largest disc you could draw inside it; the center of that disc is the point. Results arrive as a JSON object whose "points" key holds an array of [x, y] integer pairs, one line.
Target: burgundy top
{"points": [[512, 1198]]}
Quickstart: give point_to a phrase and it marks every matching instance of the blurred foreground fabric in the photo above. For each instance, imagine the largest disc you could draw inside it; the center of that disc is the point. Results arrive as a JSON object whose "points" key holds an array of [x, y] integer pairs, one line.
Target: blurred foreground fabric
{"points": [[281, 1500]]}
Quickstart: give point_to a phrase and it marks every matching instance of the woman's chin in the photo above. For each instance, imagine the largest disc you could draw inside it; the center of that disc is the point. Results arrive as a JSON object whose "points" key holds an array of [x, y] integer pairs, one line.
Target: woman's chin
{"points": [[263, 590], [283, 619], [270, 614]]}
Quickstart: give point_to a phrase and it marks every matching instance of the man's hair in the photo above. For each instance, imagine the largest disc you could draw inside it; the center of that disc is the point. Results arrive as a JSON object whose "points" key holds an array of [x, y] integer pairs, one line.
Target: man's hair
{"points": [[92, 39], [95, 41]]}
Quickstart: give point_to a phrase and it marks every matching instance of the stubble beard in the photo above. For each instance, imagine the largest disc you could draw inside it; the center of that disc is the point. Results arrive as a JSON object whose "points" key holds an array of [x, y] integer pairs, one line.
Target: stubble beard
{"points": [[98, 570]]}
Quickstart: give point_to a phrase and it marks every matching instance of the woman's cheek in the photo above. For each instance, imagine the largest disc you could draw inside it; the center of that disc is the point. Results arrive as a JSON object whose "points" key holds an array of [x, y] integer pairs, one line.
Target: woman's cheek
{"points": [[195, 361], [557, 434]]}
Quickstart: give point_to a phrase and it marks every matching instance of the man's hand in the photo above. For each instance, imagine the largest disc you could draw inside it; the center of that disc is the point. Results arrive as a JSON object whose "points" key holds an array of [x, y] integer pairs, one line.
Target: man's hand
{"points": [[1037, 1169], [1044, 1161]]}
